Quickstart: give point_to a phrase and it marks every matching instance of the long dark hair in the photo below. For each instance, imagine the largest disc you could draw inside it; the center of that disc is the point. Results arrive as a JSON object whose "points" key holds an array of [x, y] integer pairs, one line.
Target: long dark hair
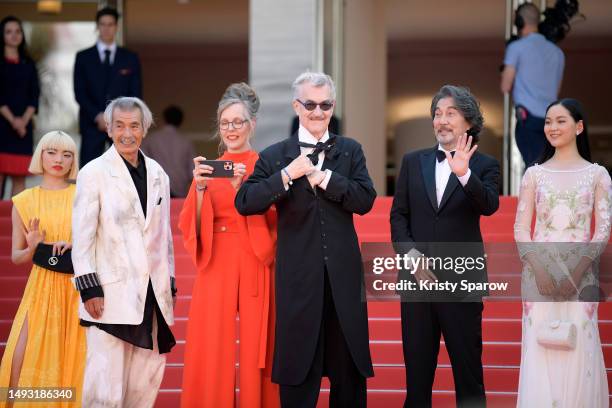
{"points": [[582, 140], [22, 48]]}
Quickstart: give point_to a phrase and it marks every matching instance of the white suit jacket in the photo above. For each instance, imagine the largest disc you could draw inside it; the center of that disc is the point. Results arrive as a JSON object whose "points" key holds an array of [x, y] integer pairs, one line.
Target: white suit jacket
{"points": [[115, 246]]}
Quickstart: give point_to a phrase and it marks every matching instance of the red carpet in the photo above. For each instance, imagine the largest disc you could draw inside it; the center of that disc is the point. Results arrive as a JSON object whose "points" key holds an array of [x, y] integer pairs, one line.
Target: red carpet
{"points": [[501, 325]]}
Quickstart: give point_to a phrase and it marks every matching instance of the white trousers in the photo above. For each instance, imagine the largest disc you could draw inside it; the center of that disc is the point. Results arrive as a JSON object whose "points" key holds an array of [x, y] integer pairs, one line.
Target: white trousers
{"points": [[120, 375]]}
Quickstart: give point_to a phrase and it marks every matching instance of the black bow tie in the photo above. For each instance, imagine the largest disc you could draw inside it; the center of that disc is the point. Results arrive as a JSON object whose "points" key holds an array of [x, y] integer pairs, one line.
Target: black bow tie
{"points": [[318, 148], [441, 156]]}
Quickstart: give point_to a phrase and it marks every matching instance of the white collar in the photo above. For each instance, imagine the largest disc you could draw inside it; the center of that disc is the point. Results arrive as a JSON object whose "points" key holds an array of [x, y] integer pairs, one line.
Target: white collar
{"points": [[443, 149], [103, 46], [306, 137]]}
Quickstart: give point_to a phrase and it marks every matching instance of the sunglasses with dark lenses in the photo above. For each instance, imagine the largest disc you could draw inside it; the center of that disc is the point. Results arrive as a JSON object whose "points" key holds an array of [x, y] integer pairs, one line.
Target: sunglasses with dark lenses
{"points": [[311, 105]]}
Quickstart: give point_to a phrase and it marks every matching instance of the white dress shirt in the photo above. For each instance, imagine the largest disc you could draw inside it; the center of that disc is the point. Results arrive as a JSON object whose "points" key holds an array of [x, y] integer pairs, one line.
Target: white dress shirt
{"points": [[305, 136], [103, 47], [443, 172]]}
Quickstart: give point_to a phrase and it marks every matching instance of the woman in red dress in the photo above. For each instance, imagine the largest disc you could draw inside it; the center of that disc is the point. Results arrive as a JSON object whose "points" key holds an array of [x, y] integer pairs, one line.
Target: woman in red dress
{"points": [[19, 93], [234, 257]]}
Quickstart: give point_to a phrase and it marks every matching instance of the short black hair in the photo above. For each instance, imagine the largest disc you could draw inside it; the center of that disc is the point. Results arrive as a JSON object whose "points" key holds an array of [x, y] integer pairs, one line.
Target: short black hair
{"points": [[107, 11], [173, 115]]}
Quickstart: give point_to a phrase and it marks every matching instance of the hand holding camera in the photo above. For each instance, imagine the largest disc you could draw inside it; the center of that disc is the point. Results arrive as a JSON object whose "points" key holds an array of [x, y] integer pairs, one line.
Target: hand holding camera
{"points": [[239, 173], [201, 172]]}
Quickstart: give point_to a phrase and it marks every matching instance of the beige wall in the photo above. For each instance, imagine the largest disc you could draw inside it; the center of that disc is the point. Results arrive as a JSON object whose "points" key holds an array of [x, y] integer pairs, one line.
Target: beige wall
{"points": [[193, 77], [190, 53], [397, 54], [417, 69], [365, 78], [28, 11]]}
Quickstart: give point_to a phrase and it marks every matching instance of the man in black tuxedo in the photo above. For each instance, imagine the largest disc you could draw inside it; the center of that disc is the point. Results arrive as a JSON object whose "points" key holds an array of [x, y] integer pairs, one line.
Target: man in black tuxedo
{"points": [[102, 73], [317, 181], [441, 194]]}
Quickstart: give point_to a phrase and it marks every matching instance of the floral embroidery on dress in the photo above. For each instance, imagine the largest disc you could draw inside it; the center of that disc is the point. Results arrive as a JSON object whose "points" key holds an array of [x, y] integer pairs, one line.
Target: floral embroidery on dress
{"points": [[565, 205]]}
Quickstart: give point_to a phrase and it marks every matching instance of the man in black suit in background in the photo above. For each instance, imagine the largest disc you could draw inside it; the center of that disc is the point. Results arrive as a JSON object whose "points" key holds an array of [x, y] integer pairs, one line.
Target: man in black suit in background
{"points": [[102, 73], [441, 194], [317, 181]]}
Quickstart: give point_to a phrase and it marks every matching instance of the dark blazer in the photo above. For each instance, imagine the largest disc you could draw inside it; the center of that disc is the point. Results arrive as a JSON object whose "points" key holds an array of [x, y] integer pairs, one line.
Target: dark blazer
{"points": [[315, 232], [93, 91], [415, 215], [417, 218], [19, 89]]}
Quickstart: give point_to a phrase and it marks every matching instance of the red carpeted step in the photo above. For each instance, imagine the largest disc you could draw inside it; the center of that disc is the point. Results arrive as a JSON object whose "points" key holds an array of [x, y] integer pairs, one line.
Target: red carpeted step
{"points": [[390, 378], [375, 309], [8, 307], [499, 222], [5, 245], [390, 352], [390, 329], [13, 286], [8, 268], [492, 309], [6, 226], [376, 399], [386, 378], [493, 329], [5, 208], [378, 223], [501, 325], [501, 353]]}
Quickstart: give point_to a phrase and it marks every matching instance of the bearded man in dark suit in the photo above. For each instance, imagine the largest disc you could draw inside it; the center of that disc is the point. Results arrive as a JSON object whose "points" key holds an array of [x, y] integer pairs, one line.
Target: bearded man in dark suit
{"points": [[441, 194]]}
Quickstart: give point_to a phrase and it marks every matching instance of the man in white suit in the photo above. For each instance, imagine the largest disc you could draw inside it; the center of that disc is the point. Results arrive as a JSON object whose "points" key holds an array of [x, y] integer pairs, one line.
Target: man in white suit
{"points": [[124, 264]]}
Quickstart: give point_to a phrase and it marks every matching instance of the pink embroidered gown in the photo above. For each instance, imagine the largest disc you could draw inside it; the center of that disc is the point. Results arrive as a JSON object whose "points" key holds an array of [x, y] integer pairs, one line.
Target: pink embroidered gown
{"points": [[565, 203]]}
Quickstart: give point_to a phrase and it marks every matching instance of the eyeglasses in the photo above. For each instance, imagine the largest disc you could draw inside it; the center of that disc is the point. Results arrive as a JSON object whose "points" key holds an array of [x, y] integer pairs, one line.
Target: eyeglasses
{"points": [[311, 105], [236, 124]]}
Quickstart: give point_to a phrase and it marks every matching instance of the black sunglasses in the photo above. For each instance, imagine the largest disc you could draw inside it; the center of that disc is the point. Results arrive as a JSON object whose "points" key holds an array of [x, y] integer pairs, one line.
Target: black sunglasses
{"points": [[311, 105]]}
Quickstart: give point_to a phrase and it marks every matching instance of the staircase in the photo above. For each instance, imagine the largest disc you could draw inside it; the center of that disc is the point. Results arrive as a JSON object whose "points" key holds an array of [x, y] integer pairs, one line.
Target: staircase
{"points": [[501, 320]]}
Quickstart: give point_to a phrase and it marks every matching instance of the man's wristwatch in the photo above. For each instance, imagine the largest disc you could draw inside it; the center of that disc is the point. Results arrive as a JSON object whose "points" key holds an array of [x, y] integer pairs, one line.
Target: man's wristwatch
{"points": [[198, 188]]}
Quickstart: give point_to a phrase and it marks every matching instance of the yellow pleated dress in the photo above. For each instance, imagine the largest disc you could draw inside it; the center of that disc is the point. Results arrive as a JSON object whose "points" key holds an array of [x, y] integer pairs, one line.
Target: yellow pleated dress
{"points": [[56, 346]]}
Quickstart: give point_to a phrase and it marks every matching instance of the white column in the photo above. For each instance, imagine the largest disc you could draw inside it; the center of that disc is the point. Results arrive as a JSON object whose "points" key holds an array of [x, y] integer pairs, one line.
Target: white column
{"points": [[283, 42]]}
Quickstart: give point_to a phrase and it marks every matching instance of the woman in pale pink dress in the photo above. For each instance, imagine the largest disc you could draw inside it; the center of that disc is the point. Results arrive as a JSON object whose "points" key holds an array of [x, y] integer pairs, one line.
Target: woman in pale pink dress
{"points": [[567, 193]]}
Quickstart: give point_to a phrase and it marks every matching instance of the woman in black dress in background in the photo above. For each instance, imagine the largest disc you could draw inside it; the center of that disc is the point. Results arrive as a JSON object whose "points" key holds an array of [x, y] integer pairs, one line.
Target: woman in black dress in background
{"points": [[19, 93]]}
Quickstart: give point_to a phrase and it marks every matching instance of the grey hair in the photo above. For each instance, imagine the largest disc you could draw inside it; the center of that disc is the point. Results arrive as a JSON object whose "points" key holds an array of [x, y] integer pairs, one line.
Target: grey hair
{"points": [[465, 103], [240, 93], [128, 104], [316, 79]]}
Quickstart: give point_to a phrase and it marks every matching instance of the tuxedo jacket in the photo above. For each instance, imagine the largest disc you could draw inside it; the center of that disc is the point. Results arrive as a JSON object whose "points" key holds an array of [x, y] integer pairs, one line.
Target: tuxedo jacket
{"points": [[315, 234], [115, 246], [93, 90], [416, 218]]}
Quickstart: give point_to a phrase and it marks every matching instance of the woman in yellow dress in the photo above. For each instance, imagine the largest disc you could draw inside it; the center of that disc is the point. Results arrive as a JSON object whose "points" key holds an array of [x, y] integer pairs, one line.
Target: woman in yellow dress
{"points": [[46, 346]]}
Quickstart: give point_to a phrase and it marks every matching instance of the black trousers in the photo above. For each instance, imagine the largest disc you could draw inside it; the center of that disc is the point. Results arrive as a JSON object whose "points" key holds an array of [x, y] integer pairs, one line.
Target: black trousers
{"points": [[529, 134], [332, 359], [461, 326], [93, 144]]}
